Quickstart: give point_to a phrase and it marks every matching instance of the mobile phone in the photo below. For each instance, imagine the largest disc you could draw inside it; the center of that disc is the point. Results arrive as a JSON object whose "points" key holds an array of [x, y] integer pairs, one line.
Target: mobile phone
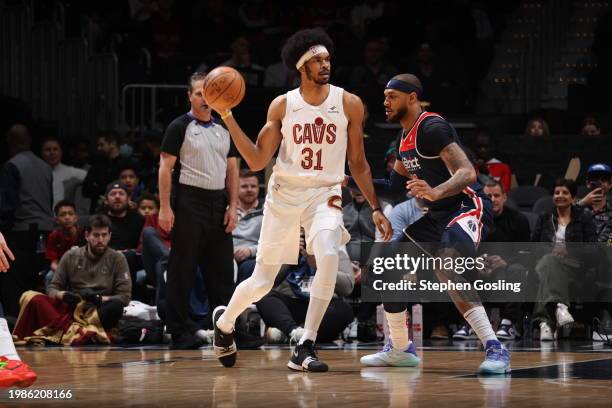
{"points": [[595, 184]]}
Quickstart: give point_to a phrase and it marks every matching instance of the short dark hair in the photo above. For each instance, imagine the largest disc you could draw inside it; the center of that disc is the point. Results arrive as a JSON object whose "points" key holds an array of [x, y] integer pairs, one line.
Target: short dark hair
{"points": [[150, 197], [50, 138], [569, 184], [196, 76], [99, 221], [494, 183], [63, 203], [110, 136], [129, 164], [301, 41], [244, 173]]}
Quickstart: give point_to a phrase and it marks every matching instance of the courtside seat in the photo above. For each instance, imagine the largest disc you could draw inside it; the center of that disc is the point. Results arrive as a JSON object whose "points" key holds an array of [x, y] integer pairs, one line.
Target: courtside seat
{"points": [[526, 196]]}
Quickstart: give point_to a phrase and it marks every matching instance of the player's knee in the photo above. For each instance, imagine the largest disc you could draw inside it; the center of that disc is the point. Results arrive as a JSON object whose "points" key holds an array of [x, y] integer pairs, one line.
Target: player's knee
{"points": [[258, 287], [323, 288], [262, 279], [326, 243]]}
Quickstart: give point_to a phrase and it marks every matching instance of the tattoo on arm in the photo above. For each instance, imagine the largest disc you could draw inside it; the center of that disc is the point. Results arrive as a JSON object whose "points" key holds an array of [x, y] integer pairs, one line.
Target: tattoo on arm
{"points": [[461, 168]]}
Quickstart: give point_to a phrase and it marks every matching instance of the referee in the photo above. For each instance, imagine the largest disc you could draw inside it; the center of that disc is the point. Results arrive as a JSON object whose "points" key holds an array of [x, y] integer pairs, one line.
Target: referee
{"points": [[199, 160]]}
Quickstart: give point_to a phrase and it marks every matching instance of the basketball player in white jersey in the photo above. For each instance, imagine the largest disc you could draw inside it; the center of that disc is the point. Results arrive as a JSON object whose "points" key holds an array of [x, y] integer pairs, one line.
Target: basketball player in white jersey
{"points": [[316, 125]]}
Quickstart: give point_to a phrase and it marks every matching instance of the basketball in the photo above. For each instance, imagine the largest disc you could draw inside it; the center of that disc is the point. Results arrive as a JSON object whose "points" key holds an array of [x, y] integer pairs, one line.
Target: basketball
{"points": [[224, 88]]}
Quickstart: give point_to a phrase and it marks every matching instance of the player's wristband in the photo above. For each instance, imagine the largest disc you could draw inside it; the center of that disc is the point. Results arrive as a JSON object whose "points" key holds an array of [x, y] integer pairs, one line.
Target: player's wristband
{"points": [[376, 209], [227, 115]]}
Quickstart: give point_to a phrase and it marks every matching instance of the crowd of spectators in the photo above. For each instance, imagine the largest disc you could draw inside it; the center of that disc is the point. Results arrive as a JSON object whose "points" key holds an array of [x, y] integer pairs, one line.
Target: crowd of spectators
{"points": [[44, 223]]}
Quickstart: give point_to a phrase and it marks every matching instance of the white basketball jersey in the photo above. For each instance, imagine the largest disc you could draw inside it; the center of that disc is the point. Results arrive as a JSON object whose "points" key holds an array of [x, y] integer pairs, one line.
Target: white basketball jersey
{"points": [[313, 150]]}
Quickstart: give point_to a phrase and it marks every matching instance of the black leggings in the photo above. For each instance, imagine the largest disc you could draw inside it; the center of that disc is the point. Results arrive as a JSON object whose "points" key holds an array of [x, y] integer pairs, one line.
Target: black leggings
{"points": [[286, 313]]}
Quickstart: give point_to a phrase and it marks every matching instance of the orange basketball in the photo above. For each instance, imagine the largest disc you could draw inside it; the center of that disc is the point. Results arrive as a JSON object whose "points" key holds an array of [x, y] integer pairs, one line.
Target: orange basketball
{"points": [[224, 88]]}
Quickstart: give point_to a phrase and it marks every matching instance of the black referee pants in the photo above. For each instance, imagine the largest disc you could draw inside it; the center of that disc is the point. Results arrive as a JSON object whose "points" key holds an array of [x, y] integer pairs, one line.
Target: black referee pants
{"points": [[198, 239]]}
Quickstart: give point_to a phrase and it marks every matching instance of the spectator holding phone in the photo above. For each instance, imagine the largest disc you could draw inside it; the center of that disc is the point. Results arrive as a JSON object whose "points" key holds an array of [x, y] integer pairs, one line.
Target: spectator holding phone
{"points": [[598, 182]]}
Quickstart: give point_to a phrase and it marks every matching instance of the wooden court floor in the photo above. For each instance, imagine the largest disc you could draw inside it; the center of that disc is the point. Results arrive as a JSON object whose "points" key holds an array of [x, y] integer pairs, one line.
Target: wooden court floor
{"points": [[141, 377]]}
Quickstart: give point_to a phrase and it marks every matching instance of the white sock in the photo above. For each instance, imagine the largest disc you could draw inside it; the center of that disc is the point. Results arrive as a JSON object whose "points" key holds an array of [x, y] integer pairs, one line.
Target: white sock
{"points": [[7, 347], [479, 321], [249, 291], [316, 309], [398, 330]]}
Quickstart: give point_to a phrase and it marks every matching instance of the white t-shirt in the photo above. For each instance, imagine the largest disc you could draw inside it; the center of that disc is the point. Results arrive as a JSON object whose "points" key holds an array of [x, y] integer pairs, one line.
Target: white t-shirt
{"points": [[560, 235]]}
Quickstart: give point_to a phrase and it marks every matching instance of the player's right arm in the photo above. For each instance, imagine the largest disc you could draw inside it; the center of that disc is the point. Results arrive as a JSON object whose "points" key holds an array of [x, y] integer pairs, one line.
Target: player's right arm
{"points": [[258, 154], [166, 216]]}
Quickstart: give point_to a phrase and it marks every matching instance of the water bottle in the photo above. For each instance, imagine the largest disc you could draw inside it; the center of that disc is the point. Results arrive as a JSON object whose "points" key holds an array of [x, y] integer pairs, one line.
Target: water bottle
{"points": [[417, 324], [41, 246], [526, 327]]}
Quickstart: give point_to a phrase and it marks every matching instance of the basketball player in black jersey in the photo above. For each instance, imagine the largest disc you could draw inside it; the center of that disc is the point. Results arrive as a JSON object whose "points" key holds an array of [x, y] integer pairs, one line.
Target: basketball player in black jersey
{"points": [[432, 165]]}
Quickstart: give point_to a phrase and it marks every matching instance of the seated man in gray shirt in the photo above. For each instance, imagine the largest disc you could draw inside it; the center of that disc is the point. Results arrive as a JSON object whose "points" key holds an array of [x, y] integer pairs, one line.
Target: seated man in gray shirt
{"points": [[94, 273], [248, 228]]}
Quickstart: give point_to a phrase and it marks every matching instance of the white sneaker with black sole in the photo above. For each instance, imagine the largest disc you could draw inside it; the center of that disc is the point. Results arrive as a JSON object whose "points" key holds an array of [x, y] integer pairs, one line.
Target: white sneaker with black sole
{"points": [[304, 358], [223, 343], [546, 333], [563, 315], [507, 331]]}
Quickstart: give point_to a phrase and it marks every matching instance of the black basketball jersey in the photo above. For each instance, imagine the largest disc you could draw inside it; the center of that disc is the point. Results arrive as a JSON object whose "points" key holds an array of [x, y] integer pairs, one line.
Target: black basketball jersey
{"points": [[419, 151]]}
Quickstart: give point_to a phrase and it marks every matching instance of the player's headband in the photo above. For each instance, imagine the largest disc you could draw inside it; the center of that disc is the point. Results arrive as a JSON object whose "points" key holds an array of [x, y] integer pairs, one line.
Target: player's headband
{"points": [[403, 86], [312, 51]]}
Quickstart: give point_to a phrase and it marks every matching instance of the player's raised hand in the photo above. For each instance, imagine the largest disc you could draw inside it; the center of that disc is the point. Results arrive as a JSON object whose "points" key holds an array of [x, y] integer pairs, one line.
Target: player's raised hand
{"points": [[5, 255], [421, 189], [383, 225]]}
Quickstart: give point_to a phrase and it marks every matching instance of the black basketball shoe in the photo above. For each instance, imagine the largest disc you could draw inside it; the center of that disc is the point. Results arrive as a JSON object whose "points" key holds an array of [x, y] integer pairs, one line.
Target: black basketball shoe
{"points": [[304, 358], [223, 344]]}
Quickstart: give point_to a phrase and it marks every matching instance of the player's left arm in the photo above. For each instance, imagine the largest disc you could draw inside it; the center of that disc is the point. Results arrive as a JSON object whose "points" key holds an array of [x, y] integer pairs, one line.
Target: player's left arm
{"points": [[439, 141], [463, 173], [358, 165]]}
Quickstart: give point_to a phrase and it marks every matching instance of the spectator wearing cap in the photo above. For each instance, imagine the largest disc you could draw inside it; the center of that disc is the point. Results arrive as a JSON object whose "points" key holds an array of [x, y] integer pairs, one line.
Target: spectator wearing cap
{"points": [[599, 178], [127, 226], [596, 202]]}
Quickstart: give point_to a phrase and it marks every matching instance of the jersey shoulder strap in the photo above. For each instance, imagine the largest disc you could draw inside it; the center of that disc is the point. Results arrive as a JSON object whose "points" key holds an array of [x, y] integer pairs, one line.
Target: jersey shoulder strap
{"points": [[408, 141]]}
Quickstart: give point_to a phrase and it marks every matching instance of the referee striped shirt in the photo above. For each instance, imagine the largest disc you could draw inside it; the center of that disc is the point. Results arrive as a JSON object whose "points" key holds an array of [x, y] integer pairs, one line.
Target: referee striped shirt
{"points": [[202, 149]]}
